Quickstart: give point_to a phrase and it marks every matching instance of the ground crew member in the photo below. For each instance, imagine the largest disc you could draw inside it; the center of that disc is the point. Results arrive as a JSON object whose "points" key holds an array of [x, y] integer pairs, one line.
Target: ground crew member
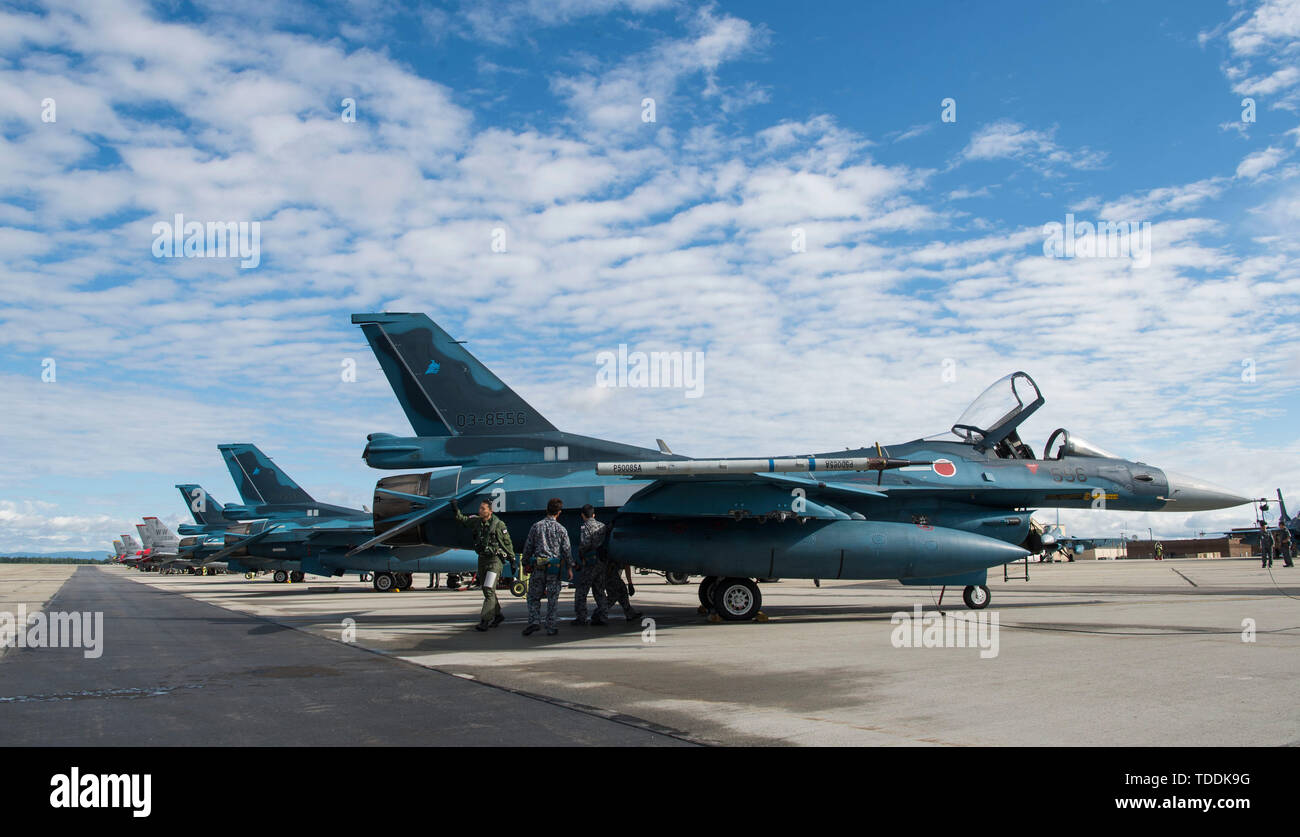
{"points": [[590, 569], [1160, 551], [546, 553], [1284, 546], [1265, 546], [492, 543], [615, 590]]}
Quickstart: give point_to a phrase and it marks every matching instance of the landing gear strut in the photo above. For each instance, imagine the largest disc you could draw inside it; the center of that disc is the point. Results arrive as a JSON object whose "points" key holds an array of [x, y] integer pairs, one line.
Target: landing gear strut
{"points": [[976, 596]]}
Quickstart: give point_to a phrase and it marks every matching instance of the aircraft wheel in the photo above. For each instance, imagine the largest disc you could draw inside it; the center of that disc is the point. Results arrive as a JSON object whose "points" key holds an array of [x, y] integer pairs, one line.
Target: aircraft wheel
{"points": [[250, 576], [453, 581], [296, 576], [405, 580], [518, 589], [706, 591], [384, 582], [736, 599], [677, 578], [976, 596], [280, 577]]}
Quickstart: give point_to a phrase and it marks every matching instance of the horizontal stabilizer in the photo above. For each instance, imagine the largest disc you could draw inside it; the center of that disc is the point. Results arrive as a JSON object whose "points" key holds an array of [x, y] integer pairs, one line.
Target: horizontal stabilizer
{"points": [[230, 549], [431, 511]]}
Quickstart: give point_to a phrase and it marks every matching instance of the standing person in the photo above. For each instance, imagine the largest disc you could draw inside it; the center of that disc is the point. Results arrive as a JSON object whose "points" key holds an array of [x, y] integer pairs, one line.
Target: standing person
{"points": [[1160, 551], [1265, 546], [590, 569], [615, 589], [492, 543], [1284, 546], [546, 552]]}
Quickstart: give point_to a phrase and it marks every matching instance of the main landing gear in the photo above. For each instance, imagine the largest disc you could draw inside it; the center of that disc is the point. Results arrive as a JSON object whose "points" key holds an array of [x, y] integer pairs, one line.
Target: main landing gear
{"points": [[385, 581], [733, 599]]}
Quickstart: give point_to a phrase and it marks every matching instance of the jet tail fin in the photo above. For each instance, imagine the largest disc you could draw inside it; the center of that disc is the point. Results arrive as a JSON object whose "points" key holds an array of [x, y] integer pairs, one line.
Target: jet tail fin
{"points": [[258, 479], [1281, 506], [443, 389], [202, 506], [158, 534]]}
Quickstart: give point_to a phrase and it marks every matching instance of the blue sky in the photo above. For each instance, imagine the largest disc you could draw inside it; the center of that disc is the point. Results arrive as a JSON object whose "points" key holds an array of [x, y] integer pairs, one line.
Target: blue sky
{"points": [[923, 238]]}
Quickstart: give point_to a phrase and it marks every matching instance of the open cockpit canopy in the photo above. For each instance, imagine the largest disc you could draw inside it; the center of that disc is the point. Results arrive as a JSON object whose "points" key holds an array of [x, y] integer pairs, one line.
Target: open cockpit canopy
{"points": [[993, 417]]}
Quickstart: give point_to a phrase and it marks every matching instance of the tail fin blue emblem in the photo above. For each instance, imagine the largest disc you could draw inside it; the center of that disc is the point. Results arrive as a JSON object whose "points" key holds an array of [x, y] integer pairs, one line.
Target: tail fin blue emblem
{"points": [[433, 368]]}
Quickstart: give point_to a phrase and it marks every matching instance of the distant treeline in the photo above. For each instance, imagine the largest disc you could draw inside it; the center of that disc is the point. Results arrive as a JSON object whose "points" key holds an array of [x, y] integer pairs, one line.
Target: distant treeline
{"points": [[7, 560]]}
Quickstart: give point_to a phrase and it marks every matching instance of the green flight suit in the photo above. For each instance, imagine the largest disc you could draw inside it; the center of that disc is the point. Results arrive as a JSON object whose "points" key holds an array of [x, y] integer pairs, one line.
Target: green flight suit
{"points": [[492, 543]]}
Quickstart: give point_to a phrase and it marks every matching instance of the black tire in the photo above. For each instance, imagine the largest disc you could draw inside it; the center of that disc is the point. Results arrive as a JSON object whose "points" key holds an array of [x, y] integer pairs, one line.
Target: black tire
{"points": [[296, 576], [706, 591], [976, 596], [405, 580], [736, 599], [453, 581], [385, 582], [677, 578], [280, 576]]}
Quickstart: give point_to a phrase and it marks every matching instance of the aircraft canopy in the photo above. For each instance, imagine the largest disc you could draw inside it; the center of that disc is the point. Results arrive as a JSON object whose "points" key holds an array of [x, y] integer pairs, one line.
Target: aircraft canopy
{"points": [[999, 410]]}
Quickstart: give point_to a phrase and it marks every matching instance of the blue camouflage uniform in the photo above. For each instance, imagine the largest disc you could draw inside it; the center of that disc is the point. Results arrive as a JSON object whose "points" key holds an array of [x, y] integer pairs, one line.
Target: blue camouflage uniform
{"points": [[590, 570], [616, 590], [546, 551]]}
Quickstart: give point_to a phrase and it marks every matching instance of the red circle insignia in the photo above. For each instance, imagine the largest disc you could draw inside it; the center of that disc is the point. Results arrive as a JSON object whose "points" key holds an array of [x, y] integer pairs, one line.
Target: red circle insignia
{"points": [[944, 468]]}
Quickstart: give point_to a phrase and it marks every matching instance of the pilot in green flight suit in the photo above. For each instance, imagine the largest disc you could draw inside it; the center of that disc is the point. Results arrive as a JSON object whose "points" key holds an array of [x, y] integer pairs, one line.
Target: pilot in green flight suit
{"points": [[492, 543]]}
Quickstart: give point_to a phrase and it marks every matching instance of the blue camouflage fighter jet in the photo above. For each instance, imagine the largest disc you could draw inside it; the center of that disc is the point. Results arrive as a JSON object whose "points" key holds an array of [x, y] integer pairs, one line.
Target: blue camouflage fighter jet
{"points": [[936, 511], [281, 528]]}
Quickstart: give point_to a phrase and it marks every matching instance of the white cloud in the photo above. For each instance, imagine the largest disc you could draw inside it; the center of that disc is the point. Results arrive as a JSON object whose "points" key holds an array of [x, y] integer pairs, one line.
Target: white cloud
{"points": [[1006, 139], [1259, 162]]}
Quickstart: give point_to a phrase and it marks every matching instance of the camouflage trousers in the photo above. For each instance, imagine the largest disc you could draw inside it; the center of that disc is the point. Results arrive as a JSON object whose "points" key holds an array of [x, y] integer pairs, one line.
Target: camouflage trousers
{"points": [[491, 607], [590, 577], [540, 584], [615, 589]]}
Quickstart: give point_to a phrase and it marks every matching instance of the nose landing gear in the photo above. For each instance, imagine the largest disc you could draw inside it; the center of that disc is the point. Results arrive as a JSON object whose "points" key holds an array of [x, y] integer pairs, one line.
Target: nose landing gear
{"points": [[976, 596]]}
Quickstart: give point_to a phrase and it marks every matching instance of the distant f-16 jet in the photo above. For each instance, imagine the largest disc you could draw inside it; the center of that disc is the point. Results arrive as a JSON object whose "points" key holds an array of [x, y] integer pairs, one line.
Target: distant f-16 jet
{"points": [[935, 511], [281, 528]]}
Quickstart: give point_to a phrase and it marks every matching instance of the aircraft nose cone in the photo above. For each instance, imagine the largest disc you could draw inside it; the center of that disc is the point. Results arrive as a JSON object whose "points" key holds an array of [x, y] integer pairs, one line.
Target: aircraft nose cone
{"points": [[1190, 494]]}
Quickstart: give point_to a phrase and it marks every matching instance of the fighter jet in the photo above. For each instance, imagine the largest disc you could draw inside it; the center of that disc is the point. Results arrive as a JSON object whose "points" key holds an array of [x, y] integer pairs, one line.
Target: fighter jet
{"points": [[131, 551], [161, 550], [282, 528], [935, 511]]}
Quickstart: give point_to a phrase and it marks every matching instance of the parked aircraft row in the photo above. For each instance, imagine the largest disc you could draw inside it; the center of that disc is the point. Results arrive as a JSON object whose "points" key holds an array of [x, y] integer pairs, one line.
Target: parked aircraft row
{"points": [[938, 511], [279, 528]]}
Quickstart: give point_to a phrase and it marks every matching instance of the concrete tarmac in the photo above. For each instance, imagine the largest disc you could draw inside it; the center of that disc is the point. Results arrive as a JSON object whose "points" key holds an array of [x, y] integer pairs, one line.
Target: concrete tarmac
{"points": [[176, 671], [29, 586], [1178, 652]]}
